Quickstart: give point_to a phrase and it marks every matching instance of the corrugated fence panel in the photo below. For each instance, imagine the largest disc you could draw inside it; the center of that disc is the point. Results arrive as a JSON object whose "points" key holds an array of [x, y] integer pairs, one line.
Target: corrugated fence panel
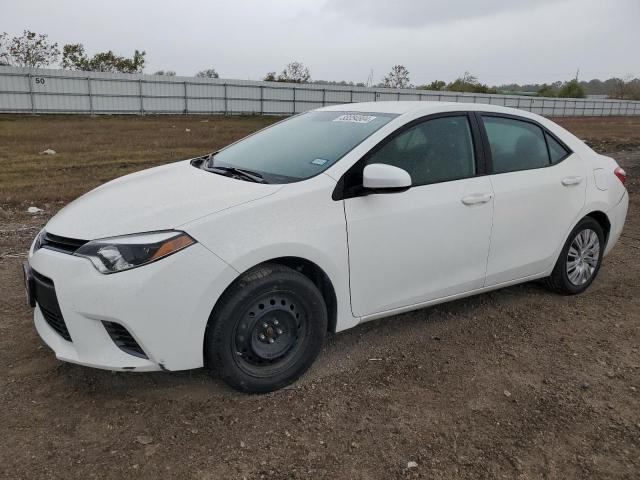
{"points": [[53, 85], [278, 93], [364, 96], [163, 104], [14, 83], [15, 102], [383, 96], [342, 96], [115, 87], [158, 89], [200, 90], [64, 91], [205, 105], [61, 103], [116, 105]]}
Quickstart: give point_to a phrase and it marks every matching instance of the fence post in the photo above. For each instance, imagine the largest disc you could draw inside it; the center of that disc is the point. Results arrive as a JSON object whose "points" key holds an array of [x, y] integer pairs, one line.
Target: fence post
{"points": [[90, 96], [294, 100], [226, 108], [141, 99], [33, 105], [261, 99], [186, 102], [350, 96], [324, 97]]}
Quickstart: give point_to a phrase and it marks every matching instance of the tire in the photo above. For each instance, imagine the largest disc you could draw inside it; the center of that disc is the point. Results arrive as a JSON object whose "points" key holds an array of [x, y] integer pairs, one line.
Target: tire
{"points": [[586, 241], [266, 330]]}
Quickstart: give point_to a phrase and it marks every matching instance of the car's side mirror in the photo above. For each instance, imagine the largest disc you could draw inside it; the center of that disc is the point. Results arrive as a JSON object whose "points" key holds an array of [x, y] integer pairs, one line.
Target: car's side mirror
{"points": [[382, 178]]}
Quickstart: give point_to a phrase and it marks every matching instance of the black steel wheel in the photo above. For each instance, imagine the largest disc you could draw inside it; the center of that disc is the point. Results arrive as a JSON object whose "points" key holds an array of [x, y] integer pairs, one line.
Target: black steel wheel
{"points": [[266, 330]]}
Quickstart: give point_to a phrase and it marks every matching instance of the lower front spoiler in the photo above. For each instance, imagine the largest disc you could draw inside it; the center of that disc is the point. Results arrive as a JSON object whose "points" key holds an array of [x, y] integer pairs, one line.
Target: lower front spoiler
{"points": [[99, 351]]}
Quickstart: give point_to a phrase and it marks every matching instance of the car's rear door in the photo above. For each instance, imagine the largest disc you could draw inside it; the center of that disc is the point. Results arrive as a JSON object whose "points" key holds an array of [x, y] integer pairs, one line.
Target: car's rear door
{"points": [[539, 187], [427, 242]]}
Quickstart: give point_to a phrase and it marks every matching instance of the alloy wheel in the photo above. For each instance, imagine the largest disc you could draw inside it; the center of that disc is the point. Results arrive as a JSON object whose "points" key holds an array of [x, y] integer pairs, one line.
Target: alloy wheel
{"points": [[583, 257]]}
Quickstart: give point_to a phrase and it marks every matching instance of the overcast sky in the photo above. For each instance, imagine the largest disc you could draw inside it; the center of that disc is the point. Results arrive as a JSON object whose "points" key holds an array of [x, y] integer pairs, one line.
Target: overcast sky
{"points": [[500, 41]]}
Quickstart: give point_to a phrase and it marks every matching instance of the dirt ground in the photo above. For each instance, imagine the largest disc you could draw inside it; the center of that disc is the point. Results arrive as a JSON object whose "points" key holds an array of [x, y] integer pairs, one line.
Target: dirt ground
{"points": [[517, 383]]}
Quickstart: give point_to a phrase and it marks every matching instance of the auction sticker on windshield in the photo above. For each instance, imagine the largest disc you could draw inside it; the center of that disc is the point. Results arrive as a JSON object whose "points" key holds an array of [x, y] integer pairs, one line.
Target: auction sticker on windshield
{"points": [[355, 118]]}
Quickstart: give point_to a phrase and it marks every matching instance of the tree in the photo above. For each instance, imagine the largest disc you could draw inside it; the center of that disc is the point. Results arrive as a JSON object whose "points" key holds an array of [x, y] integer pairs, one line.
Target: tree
{"points": [[547, 91], [436, 85], [633, 88], [618, 89], [208, 73], [398, 77], [75, 58], [29, 50], [166, 73], [270, 77], [469, 83], [338, 82], [571, 89], [295, 72], [5, 58]]}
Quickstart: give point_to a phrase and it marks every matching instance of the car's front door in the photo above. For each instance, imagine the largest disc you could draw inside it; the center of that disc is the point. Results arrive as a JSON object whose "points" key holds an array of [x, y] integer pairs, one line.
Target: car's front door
{"points": [[539, 188], [432, 240]]}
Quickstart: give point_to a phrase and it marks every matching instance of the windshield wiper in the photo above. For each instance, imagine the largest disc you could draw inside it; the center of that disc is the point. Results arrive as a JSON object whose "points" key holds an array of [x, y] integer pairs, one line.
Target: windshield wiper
{"points": [[231, 171], [239, 172]]}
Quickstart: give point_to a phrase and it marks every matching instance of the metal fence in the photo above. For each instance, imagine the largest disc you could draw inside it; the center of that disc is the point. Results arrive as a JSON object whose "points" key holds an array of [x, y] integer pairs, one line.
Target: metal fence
{"points": [[27, 90]]}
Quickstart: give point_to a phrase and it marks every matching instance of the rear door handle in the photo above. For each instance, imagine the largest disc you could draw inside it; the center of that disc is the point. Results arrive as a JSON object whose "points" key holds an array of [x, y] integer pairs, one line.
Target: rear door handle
{"points": [[573, 180], [476, 198]]}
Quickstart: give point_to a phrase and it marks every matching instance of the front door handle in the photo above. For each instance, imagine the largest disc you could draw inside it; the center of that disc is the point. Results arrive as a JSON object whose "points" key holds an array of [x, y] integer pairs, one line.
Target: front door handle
{"points": [[476, 198], [573, 180]]}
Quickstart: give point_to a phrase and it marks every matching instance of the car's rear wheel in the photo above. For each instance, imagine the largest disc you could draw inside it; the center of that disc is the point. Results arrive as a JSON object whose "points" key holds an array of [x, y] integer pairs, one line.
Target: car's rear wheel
{"points": [[266, 330], [580, 259]]}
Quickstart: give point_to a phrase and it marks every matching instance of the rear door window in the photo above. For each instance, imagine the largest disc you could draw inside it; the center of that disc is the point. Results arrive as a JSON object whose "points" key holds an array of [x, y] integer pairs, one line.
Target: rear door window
{"points": [[515, 144]]}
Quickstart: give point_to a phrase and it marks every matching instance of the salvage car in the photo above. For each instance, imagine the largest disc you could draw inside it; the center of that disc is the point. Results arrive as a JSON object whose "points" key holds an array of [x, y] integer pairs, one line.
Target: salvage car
{"points": [[244, 259]]}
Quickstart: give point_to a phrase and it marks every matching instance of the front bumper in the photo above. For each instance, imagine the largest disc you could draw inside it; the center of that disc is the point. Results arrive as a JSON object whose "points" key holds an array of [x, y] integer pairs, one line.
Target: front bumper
{"points": [[164, 306]]}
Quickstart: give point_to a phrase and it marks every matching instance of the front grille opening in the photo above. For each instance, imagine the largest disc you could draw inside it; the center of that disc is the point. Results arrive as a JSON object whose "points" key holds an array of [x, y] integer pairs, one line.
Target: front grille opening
{"points": [[45, 295], [123, 339], [56, 322], [46, 281], [61, 244]]}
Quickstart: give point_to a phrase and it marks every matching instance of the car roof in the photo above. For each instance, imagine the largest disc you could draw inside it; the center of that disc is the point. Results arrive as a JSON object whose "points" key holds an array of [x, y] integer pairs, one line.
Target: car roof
{"points": [[424, 107], [416, 109]]}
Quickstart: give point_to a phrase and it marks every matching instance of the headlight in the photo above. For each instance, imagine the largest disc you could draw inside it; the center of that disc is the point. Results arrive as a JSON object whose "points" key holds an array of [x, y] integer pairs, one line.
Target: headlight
{"points": [[116, 254], [37, 243]]}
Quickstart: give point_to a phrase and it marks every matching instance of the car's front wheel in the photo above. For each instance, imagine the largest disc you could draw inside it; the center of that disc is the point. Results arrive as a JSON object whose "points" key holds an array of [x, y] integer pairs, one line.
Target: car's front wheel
{"points": [[580, 259], [266, 330]]}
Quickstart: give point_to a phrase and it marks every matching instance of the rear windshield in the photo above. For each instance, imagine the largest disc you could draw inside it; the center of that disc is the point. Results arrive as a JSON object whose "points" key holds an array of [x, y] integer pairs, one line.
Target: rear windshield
{"points": [[301, 146]]}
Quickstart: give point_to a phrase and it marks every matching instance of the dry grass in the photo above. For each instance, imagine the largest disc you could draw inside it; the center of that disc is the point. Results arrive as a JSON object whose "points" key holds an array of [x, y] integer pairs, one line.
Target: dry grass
{"points": [[607, 134], [93, 150]]}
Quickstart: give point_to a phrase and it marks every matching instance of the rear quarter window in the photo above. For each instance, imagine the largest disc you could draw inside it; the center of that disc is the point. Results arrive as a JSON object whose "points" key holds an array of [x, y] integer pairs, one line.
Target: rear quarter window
{"points": [[557, 152]]}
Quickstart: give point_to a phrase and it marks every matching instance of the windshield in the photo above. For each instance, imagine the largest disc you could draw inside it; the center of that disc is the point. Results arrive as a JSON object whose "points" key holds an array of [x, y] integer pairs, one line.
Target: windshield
{"points": [[302, 146]]}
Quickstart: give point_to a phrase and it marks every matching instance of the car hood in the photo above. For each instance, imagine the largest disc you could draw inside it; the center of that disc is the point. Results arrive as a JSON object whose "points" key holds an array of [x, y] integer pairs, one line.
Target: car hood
{"points": [[159, 198]]}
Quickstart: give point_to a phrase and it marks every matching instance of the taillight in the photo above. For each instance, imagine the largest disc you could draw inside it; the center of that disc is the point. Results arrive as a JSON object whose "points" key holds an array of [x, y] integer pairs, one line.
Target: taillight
{"points": [[621, 174]]}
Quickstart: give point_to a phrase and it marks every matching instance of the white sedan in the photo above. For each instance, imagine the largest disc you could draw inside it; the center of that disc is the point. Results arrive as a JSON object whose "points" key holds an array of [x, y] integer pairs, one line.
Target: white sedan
{"points": [[242, 260]]}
